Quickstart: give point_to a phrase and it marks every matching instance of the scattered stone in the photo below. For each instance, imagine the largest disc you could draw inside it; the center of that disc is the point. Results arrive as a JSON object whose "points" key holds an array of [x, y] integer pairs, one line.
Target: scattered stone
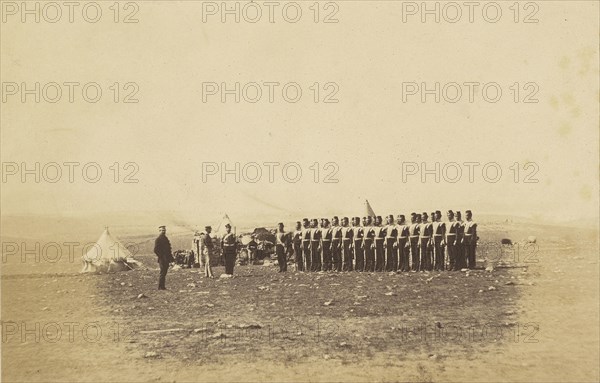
{"points": [[142, 295], [491, 288], [480, 291], [210, 305], [218, 335], [328, 303], [45, 308], [390, 293], [252, 325], [509, 283], [326, 357], [203, 329], [122, 283], [151, 354]]}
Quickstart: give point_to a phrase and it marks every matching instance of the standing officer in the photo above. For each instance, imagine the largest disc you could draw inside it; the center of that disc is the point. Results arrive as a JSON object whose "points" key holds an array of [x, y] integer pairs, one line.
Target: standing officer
{"points": [[390, 245], [470, 239], [281, 246], [439, 231], [460, 247], [207, 249], [403, 243], [425, 231], [162, 249], [228, 244], [297, 243], [413, 239], [326, 239], [451, 228], [368, 244], [347, 240], [357, 244], [336, 244], [196, 244], [306, 234], [379, 242], [315, 246]]}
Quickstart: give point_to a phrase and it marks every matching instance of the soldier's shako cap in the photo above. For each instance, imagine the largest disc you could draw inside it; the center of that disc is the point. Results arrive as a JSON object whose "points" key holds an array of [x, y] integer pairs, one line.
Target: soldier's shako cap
{"points": [[162, 227], [413, 214], [424, 214], [468, 212], [227, 225], [401, 216], [207, 227], [280, 224], [438, 212], [335, 217], [304, 219], [450, 212]]}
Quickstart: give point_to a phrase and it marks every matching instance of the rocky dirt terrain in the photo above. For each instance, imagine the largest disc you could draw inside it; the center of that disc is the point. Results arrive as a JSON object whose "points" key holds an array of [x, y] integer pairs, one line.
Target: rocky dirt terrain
{"points": [[534, 317]]}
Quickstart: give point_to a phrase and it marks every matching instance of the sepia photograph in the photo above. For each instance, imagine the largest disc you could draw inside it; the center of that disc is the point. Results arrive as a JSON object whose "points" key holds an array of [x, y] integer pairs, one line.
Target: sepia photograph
{"points": [[300, 191]]}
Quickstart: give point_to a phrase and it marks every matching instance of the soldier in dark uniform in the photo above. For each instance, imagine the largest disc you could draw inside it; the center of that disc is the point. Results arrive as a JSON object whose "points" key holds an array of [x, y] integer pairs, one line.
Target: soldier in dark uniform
{"points": [[347, 239], [369, 245], [252, 247], [306, 234], [439, 231], [390, 245], [326, 244], [425, 232], [315, 245], [162, 249], [336, 244], [297, 246], [470, 240], [450, 241], [281, 247], [403, 244], [461, 262], [413, 239], [228, 244], [357, 245], [379, 242]]}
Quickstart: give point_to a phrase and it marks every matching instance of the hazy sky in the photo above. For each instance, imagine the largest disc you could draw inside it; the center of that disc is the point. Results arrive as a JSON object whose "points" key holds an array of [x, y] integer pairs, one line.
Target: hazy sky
{"points": [[368, 134]]}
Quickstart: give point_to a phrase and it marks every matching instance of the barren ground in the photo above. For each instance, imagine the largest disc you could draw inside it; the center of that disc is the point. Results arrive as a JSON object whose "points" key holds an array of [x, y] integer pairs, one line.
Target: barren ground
{"points": [[539, 322]]}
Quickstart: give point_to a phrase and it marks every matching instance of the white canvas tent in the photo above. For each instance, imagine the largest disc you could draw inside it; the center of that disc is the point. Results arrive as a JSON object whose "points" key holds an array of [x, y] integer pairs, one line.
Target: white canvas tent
{"points": [[220, 230], [107, 254], [368, 209]]}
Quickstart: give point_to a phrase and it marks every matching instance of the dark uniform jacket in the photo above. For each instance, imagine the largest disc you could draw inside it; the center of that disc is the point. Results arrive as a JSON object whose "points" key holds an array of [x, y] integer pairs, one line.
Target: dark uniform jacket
{"points": [[162, 249]]}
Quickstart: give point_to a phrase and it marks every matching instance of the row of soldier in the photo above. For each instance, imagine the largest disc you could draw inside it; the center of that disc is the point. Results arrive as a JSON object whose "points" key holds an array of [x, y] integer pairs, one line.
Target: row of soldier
{"points": [[421, 245]]}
